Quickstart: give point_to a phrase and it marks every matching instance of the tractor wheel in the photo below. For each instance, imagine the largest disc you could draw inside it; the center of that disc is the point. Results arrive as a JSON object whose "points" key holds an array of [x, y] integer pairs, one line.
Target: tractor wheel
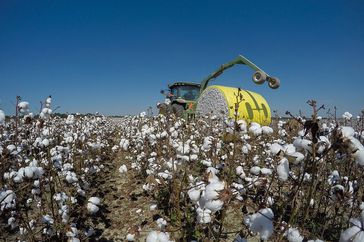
{"points": [[274, 83], [259, 77], [164, 109], [178, 110]]}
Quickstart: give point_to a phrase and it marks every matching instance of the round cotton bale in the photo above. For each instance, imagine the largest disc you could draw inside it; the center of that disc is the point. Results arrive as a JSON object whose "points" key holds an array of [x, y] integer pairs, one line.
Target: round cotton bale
{"points": [[220, 101]]}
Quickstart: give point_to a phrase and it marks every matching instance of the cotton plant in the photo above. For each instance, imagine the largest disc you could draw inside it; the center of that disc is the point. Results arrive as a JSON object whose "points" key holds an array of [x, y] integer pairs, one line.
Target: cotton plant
{"points": [[32, 172]]}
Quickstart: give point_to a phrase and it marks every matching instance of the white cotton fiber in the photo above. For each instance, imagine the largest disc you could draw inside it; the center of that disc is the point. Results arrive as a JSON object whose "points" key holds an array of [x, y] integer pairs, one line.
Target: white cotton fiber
{"points": [[212, 102], [2, 117], [261, 223], [275, 148], [283, 170], [293, 235]]}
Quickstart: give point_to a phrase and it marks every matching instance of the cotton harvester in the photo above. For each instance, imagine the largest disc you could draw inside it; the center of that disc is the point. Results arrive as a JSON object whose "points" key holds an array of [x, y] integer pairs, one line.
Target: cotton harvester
{"points": [[186, 99]]}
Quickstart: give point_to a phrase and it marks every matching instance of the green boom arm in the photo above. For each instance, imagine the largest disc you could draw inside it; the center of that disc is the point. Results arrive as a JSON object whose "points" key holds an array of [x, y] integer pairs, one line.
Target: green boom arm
{"points": [[239, 60]]}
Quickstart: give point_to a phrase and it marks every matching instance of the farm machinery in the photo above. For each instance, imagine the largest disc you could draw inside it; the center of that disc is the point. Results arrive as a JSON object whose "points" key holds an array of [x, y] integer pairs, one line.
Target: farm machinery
{"points": [[186, 99]]}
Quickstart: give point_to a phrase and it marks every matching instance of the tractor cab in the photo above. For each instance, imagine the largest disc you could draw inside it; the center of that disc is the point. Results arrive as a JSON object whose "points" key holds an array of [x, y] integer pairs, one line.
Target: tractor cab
{"points": [[183, 97], [183, 92]]}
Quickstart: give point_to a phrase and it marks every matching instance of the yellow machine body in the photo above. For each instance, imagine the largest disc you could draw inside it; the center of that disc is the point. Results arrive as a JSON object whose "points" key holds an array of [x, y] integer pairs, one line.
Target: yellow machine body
{"points": [[253, 108]]}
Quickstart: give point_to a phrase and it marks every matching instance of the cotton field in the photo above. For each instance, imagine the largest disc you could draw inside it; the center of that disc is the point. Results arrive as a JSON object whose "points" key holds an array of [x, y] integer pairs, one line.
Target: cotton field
{"points": [[162, 178]]}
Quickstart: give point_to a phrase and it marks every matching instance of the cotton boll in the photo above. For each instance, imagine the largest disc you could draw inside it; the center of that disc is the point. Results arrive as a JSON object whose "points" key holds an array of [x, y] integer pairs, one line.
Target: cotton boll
{"points": [[255, 129], [11, 148], [70, 119], [270, 201], [347, 116], [359, 157], [45, 142], [303, 144], [240, 172], [45, 132], [18, 178], [347, 131], [92, 205], [211, 190], [71, 177], [283, 170], [28, 172], [246, 148], [194, 194], [361, 206], [193, 157], [242, 125], [162, 223], [46, 112], [156, 236], [298, 157], [255, 170], [48, 219], [275, 148], [261, 223], [12, 223], [130, 237], [293, 235], [48, 100], [289, 149], [203, 216], [23, 107], [92, 208], [214, 205], [95, 200], [90, 232], [123, 169], [267, 130], [356, 232], [124, 144], [266, 171]]}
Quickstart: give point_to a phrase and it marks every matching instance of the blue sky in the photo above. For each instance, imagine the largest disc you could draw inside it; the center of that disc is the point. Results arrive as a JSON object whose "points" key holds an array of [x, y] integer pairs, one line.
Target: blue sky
{"points": [[115, 56]]}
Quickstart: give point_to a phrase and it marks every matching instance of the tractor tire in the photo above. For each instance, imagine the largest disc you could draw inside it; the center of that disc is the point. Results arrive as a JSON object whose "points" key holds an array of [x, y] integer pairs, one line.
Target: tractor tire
{"points": [[164, 109], [178, 110], [274, 83], [259, 77]]}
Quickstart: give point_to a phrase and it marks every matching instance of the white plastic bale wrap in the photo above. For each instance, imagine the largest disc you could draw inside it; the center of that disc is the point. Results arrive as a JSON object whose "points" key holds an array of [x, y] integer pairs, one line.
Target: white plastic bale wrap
{"points": [[212, 102]]}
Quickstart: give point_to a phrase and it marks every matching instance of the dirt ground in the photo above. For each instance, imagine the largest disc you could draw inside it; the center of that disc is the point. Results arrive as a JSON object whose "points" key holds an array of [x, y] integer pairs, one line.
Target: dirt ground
{"points": [[127, 206]]}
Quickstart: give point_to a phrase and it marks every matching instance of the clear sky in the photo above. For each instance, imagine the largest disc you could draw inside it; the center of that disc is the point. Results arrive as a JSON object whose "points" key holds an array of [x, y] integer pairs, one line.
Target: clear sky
{"points": [[115, 56]]}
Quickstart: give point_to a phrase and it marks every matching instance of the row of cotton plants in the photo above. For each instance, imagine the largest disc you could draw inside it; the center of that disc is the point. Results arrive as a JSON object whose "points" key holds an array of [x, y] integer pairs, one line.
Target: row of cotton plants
{"points": [[275, 183], [48, 165]]}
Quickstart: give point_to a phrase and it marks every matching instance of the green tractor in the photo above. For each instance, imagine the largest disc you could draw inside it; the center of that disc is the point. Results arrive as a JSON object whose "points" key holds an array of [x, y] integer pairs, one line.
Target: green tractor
{"points": [[182, 97]]}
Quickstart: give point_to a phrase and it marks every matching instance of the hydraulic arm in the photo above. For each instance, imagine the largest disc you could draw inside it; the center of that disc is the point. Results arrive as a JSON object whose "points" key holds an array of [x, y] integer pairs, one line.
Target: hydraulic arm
{"points": [[259, 77]]}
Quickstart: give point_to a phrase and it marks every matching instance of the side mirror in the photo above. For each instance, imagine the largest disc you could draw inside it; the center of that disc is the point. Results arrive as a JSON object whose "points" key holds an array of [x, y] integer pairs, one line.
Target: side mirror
{"points": [[162, 91]]}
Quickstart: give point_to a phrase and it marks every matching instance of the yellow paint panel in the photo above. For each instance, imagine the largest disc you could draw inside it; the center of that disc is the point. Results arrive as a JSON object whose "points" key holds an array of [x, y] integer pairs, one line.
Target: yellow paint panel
{"points": [[253, 108]]}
